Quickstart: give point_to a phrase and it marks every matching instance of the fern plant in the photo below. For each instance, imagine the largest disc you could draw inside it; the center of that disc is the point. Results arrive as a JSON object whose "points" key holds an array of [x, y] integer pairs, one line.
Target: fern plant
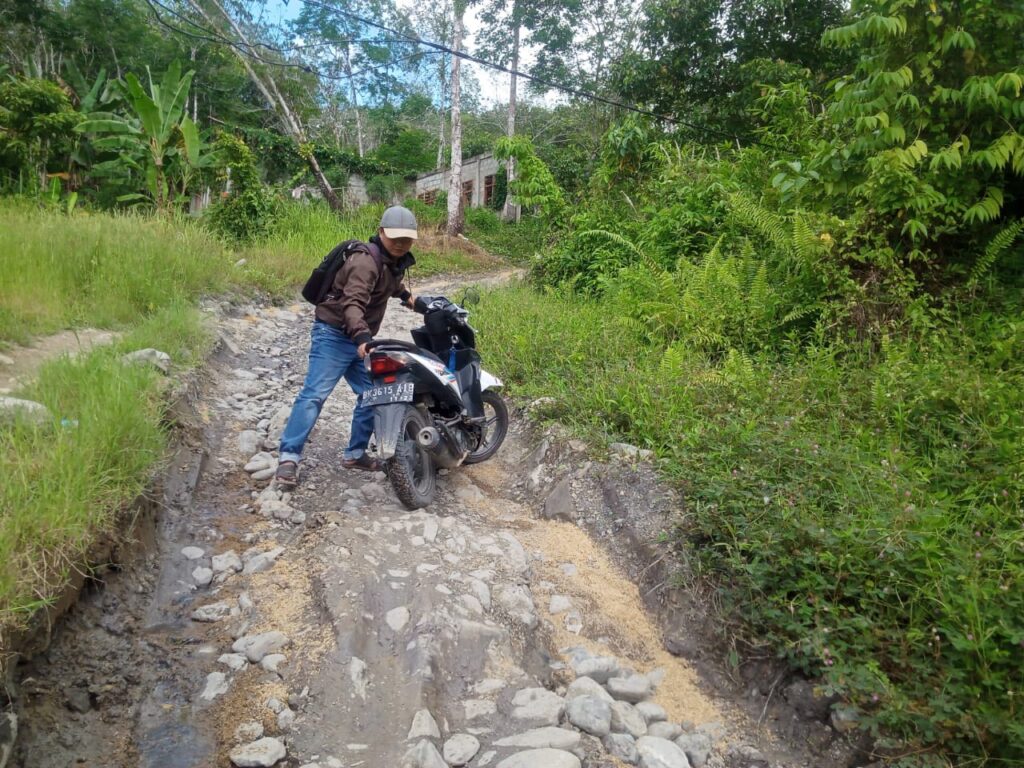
{"points": [[996, 248]]}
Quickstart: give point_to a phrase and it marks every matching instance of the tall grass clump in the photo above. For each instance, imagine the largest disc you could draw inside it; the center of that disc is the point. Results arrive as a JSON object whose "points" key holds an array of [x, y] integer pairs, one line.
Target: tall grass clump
{"points": [[105, 270], [857, 508]]}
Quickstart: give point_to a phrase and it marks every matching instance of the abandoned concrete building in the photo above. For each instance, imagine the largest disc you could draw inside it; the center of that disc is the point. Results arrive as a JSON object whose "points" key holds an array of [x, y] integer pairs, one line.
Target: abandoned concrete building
{"points": [[479, 175]]}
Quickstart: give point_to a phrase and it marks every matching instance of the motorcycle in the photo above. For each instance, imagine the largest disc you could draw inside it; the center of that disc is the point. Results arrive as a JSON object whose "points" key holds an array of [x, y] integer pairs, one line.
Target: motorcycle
{"points": [[434, 404]]}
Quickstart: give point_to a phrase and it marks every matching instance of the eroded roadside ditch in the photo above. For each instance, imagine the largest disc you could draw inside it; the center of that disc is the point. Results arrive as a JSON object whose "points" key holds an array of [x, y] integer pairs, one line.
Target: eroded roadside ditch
{"points": [[480, 611]]}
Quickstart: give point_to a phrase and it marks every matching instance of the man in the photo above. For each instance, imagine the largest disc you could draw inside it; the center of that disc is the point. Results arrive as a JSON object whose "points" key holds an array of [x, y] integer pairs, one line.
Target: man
{"points": [[346, 321]]}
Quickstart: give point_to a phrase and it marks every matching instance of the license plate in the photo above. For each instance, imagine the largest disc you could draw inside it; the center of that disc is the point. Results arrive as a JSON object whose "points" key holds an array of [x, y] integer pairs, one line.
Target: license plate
{"points": [[389, 393]]}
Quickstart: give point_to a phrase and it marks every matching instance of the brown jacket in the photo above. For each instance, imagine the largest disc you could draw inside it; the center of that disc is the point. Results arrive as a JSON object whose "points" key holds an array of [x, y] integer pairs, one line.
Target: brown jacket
{"points": [[359, 296]]}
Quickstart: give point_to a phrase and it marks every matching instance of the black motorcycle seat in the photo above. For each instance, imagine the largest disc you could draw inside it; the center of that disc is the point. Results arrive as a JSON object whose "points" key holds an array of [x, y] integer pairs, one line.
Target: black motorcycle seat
{"points": [[405, 346]]}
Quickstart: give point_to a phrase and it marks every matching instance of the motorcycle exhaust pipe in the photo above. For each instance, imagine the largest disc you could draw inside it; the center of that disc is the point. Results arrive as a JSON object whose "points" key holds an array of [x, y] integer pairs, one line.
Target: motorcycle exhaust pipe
{"points": [[429, 438]]}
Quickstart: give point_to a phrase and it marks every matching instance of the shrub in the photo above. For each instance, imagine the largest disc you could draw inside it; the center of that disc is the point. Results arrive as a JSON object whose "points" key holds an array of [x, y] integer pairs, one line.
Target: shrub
{"points": [[245, 212]]}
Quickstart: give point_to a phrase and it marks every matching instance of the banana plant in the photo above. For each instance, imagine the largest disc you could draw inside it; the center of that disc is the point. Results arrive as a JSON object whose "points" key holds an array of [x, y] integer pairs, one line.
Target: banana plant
{"points": [[153, 137]]}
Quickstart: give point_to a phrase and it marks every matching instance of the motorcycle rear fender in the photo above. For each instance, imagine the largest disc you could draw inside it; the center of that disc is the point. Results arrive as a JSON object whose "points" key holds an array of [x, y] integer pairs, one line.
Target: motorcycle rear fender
{"points": [[387, 423], [489, 381]]}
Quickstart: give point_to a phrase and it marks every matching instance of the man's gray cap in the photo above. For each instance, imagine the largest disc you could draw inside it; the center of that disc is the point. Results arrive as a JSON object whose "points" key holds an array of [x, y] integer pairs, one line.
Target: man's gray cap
{"points": [[398, 222]]}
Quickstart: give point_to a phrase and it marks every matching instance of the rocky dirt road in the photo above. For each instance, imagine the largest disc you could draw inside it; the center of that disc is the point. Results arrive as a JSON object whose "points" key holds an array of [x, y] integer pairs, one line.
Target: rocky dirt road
{"points": [[330, 627]]}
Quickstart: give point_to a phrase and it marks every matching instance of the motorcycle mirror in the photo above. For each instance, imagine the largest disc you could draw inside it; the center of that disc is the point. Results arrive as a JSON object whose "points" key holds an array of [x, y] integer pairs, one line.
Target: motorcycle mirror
{"points": [[470, 296]]}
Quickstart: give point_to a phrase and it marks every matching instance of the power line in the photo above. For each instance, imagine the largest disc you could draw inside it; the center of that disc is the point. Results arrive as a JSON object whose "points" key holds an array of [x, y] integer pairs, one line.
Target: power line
{"points": [[525, 75]]}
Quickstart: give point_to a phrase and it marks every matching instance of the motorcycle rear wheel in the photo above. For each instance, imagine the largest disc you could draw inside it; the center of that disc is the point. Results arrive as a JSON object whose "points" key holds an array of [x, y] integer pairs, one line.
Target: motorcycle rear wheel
{"points": [[495, 428], [411, 470]]}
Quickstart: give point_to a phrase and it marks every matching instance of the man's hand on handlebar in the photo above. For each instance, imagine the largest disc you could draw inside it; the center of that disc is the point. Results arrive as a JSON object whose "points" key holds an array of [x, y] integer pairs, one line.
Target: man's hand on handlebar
{"points": [[361, 351]]}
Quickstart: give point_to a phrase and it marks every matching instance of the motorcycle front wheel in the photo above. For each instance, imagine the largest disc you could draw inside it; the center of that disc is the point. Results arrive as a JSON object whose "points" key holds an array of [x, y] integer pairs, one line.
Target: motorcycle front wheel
{"points": [[411, 470], [494, 428]]}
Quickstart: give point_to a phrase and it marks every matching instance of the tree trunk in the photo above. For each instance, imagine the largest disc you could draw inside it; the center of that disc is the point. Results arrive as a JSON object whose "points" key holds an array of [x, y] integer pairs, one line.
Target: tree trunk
{"points": [[354, 95], [441, 114], [509, 212], [276, 101], [455, 211]]}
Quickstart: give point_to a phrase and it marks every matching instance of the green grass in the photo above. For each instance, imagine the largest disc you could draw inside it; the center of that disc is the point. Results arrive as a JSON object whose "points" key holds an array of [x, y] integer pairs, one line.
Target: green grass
{"points": [[66, 483], [858, 509], [103, 270]]}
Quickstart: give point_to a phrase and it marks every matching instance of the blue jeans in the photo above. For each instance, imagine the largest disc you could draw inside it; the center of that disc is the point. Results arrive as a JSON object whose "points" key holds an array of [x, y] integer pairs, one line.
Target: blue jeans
{"points": [[332, 354]]}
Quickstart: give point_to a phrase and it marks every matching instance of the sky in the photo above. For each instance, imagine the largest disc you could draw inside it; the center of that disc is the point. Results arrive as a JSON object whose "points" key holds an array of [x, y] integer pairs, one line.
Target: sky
{"points": [[493, 85]]}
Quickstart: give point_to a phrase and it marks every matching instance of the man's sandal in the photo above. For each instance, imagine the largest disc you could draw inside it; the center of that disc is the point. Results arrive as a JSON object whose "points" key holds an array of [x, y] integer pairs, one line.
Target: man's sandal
{"points": [[364, 463], [287, 476]]}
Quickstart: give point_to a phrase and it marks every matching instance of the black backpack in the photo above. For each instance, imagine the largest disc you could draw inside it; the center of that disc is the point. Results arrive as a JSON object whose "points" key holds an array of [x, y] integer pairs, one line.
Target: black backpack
{"points": [[321, 280]]}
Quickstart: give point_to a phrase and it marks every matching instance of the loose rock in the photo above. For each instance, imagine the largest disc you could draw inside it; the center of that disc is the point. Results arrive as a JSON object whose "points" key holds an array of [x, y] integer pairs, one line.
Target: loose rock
{"points": [[516, 601], [541, 758], [248, 732], [202, 576], [216, 684], [397, 618], [660, 753], [13, 409], [590, 714], [599, 668], [423, 755], [227, 561], [697, 747], [626, 719], [585, 686], [154, 357], [460, 749], [541, 738], [538, 704], [262, 753], [652, 713], [192, 553], [423, 725], [665, 730], [212, 612], [255, 647], [622, 746], [633, 689]]}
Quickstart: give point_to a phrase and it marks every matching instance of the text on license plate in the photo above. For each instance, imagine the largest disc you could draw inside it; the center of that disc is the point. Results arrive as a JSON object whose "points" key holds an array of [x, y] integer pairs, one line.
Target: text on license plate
{"points": [[389, 393]]}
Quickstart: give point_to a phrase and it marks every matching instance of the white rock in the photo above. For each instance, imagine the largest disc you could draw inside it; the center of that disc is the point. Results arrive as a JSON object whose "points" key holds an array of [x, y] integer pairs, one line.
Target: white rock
{"points": [[430, 530], [359, 673], [156, 358], [585, 686], [227, 561], [697, 747], [277, 423], [460, 749], [249, 442], [260, 461], [540, 738], [13, 409], [621, 746], [538, 704], [476, 708], [216, 684], [652, 713], [285, 719], [599, 668], [255, 647], [202, 576], [234, 662], [627, 451], [423, 755], [573, 622], [423, 726], [247, 732], [192, 553], [272, 662], [665, 730], [212, 612], [625, 719], [516, 601], [482, 592], [633, 689], [263, 561], [262, 753], [590, 714], [660, 753], [541, 758], [559, 604], [397, 618], [488, 686]]}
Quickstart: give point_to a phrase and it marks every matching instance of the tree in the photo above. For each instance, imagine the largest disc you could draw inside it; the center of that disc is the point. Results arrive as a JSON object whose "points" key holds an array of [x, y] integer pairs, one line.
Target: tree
{"points": [[267, 85], [456, 214], [690, 56], [37, 127]]}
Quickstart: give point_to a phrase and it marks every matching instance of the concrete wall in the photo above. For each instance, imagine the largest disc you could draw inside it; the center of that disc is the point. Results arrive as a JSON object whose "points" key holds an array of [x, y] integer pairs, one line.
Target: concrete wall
{"points": [[475, 169]]}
